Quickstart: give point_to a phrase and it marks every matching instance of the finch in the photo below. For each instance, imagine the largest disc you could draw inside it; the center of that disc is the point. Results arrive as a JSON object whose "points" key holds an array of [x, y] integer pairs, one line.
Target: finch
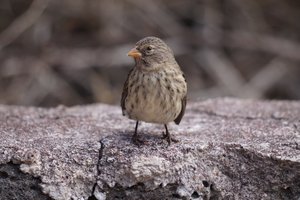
{"points": [[155, 90]]}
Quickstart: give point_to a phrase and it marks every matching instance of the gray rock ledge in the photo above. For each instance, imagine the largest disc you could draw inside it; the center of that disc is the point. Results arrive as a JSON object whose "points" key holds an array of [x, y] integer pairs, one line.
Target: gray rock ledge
{"points": [[228, 149]]}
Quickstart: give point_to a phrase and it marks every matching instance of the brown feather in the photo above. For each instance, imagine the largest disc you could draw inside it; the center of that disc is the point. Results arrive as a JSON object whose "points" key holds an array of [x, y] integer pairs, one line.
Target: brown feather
{"points": [[125, 93], [183, 105]]}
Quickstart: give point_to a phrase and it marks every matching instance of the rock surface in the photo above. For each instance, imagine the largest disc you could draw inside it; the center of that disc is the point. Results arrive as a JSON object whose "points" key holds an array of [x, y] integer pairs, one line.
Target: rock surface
{"points": [[228, 149]]}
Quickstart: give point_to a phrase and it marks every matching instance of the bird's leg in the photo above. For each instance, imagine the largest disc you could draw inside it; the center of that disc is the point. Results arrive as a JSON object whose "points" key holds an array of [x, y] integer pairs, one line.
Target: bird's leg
{"points": [[136, 128], [168, 136], [164, 135], [135, 138]]}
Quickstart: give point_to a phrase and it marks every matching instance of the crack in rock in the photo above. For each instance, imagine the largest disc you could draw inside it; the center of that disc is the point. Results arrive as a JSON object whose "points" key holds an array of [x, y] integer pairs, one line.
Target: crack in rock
{"points": [[96, 194]]}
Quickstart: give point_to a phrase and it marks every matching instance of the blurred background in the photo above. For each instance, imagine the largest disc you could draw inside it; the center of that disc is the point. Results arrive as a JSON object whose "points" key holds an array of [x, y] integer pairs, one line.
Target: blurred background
{"points": [[74, 51]]}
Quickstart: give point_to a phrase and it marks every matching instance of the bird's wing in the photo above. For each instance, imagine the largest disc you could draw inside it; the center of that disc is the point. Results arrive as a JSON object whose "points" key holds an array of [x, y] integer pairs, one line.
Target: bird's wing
{"points": [[125, 92], [183, 105]]}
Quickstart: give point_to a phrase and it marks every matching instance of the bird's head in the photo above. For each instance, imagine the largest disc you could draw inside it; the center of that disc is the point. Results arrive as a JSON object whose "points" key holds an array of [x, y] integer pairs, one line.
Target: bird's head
{"points": [[151, 53]]}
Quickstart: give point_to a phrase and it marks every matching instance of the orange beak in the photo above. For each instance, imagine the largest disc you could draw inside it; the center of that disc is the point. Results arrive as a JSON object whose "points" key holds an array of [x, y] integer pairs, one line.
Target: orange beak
{"points": [[134, 53]]}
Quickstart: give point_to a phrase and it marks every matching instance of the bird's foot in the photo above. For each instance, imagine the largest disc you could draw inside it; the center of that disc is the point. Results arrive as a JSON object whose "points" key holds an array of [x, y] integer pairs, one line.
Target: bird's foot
{"points": [[137, 141], [169, 138]]}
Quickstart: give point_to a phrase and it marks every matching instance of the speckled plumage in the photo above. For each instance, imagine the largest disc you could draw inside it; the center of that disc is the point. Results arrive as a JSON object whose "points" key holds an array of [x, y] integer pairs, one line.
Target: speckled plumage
{"points": [[155, 89]]}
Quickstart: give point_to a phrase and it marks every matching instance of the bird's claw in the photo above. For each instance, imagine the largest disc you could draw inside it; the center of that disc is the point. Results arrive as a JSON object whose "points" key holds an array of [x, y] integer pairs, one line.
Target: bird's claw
{"points": [[137, 141], [169, 138]]}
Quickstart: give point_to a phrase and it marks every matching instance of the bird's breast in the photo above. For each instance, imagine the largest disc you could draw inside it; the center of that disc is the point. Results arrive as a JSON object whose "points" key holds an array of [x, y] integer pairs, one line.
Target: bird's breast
{"points": [[153, 97]]}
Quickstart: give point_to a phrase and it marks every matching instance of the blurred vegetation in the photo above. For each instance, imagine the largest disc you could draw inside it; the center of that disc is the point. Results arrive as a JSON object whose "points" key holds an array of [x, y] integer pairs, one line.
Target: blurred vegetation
{"points": [[74, 52]]}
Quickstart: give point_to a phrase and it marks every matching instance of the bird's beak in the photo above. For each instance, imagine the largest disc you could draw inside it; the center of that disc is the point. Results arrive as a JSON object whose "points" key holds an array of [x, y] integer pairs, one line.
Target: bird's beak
{"points": [[134, 53]]}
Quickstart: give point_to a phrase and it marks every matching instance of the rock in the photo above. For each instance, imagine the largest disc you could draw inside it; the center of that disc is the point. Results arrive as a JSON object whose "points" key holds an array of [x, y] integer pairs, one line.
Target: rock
{"points": [[228, 149], [17, 185]]}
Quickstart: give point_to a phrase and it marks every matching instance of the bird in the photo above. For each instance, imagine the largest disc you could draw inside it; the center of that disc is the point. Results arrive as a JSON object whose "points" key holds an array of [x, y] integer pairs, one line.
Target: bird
{"points": [[155, 90]]}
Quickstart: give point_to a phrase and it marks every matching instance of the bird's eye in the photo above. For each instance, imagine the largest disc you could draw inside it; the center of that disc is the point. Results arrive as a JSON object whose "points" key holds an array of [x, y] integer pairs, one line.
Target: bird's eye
{"points": [[149, 48]]}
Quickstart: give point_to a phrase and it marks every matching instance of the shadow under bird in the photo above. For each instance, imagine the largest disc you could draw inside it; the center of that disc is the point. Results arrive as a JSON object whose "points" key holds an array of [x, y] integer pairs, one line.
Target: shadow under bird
{"points": [[155, 90]]}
